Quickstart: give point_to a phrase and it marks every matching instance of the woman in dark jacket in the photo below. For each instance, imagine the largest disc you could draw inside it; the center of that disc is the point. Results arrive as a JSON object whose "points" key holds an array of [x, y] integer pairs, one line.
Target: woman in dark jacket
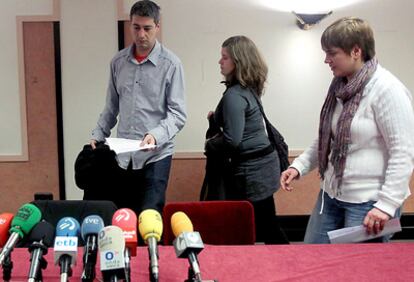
{"points": [[255, 168]]}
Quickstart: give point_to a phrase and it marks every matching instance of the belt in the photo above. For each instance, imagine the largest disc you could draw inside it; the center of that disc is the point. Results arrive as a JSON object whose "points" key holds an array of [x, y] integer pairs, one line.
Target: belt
{"points": [[253, 155]]}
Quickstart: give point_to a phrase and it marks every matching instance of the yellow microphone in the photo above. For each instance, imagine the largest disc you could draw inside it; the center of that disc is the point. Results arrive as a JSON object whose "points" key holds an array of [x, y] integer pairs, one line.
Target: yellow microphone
{"points": [[181, 223], [150, 228]]}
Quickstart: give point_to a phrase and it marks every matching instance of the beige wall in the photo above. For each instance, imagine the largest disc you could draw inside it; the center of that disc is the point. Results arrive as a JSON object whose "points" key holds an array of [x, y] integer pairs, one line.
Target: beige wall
{"points": [[195, 29], [187, 174]]}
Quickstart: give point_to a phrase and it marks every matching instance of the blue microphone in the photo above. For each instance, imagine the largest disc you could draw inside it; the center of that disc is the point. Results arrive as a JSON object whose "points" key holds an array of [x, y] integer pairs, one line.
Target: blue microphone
{"points": [[66, 246], [90, 228]]}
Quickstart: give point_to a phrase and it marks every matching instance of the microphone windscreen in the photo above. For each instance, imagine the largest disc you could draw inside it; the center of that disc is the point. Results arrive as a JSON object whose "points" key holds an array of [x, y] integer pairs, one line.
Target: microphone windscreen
{"points": [[126, 219], [111, 238], [66, 240], [67, 226], [25, 219], [150, 224], [111, 245], [43, 231], [5, 223], [91, 225], [181, 223]]}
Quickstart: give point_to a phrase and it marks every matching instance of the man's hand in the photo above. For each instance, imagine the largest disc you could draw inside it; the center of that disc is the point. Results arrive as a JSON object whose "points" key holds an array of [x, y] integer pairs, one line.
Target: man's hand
{"points": [[375, 220], [287, 177], [148, 140], [93, 144]]}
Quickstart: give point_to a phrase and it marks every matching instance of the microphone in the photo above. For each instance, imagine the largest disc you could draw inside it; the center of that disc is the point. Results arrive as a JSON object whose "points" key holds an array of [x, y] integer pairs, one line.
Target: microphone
{"points": [[26, 217], [5, 223], [90, 228], [126, 219], [187, 243], [66, 246], [150, 228], [42, 237], [111, 252]]}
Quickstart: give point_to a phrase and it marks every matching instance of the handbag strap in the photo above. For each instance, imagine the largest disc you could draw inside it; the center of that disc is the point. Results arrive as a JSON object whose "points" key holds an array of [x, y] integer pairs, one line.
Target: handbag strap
{"points": [[261, 108]]}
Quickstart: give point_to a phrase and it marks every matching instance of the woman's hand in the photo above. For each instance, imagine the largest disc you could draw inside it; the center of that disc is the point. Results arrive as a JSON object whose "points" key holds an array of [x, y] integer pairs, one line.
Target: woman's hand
{"points": [[287, 177], [375, 220], [210, 113]]}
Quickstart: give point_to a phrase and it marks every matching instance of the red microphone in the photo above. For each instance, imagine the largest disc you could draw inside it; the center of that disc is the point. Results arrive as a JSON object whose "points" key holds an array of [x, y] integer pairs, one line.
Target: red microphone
{"points": [[5, 223], [126, 219]]}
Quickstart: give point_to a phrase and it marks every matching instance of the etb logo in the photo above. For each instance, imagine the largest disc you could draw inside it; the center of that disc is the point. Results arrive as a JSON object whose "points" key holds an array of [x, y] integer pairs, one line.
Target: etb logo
{"points": [[66, 242], [67, 224]]}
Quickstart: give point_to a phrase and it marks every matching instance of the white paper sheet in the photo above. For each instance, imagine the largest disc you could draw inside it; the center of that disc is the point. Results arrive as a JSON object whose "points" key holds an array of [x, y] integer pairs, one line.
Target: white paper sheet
{"points": [[359, 233], [122, 145]]}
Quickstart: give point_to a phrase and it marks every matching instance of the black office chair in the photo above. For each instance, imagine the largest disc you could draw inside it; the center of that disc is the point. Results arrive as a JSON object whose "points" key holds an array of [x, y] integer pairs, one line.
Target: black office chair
{"points": [[53, 211]]}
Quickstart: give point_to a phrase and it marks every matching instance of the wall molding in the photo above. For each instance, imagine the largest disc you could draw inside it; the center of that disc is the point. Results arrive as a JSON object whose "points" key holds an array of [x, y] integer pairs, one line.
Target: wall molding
{"points": [[200, 155], [20, 20], [122, 16]]}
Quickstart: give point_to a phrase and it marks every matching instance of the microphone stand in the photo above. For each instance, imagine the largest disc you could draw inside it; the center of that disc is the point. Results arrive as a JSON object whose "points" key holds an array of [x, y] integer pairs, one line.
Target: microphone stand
{"points": [[88, 274], [153, 256], [114, 279], [65, 268], [194, 274], [7, 267], [39, 264], [127, 256]]}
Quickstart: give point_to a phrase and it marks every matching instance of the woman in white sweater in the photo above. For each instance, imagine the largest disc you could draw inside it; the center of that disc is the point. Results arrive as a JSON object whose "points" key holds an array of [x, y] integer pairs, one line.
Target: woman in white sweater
{"points": [[365, 149]]}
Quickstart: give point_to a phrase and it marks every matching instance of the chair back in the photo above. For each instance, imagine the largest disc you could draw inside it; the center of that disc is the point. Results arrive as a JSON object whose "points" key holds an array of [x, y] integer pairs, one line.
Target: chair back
{"points": [[219, 222], [54, 210]]}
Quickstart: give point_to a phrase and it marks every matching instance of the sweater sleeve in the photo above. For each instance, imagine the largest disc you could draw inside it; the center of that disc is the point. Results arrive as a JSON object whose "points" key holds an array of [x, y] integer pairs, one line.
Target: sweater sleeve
{"points": [[234, 108], [395, 120], [308, 160]]}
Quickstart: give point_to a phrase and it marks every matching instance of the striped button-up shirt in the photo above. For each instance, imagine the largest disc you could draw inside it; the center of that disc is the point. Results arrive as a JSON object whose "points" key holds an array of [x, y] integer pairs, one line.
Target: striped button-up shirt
{"points": [[148, 98]]}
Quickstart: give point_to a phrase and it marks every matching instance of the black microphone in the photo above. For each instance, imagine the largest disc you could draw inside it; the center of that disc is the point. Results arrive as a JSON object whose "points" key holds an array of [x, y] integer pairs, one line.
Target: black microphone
{"points": [[42, 237], [90, 228]]}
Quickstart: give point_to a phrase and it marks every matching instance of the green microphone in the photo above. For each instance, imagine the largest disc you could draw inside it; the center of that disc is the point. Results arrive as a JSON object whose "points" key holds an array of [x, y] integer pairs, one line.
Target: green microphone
{"points": [[25, 219]]}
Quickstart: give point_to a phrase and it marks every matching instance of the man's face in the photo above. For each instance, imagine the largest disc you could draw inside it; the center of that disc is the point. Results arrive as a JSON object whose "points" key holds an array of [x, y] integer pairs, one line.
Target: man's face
{"points": [[144, 32]]}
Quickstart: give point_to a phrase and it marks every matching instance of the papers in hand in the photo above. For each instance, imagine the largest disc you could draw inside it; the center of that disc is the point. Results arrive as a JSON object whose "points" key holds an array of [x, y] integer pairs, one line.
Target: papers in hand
{"points": [[122, 145], [359, 233]]}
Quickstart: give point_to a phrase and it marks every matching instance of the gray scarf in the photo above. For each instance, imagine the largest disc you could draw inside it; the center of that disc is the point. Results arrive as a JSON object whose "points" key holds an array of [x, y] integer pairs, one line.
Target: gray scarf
{"points": [[350, 93]]}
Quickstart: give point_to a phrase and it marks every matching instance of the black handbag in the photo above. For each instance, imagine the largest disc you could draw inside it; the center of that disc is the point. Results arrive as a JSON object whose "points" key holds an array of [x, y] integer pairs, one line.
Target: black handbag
{"points": [[276, 139]]}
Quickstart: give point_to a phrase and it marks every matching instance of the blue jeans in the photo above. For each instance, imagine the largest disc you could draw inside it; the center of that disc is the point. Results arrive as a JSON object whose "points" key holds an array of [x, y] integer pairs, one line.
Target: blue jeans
{"points": [[337, 214], [149, 186]]}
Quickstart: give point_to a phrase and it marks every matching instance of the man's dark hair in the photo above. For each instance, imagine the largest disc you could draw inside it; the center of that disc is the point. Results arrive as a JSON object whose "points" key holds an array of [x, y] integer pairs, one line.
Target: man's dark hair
{"points": [[146, 8]]}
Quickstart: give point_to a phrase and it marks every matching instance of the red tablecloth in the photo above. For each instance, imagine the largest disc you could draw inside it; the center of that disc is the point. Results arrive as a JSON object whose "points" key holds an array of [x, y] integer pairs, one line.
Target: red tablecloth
{"points": [[351, 262]]}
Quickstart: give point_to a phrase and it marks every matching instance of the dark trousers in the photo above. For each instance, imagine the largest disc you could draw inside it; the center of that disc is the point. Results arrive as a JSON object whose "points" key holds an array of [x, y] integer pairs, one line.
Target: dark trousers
{"points": [[267, 224], [144, 188]]}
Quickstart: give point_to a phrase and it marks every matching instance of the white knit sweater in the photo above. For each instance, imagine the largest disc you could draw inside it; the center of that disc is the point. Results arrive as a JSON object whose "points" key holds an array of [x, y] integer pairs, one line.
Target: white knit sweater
{"points": [[380, 158]]}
